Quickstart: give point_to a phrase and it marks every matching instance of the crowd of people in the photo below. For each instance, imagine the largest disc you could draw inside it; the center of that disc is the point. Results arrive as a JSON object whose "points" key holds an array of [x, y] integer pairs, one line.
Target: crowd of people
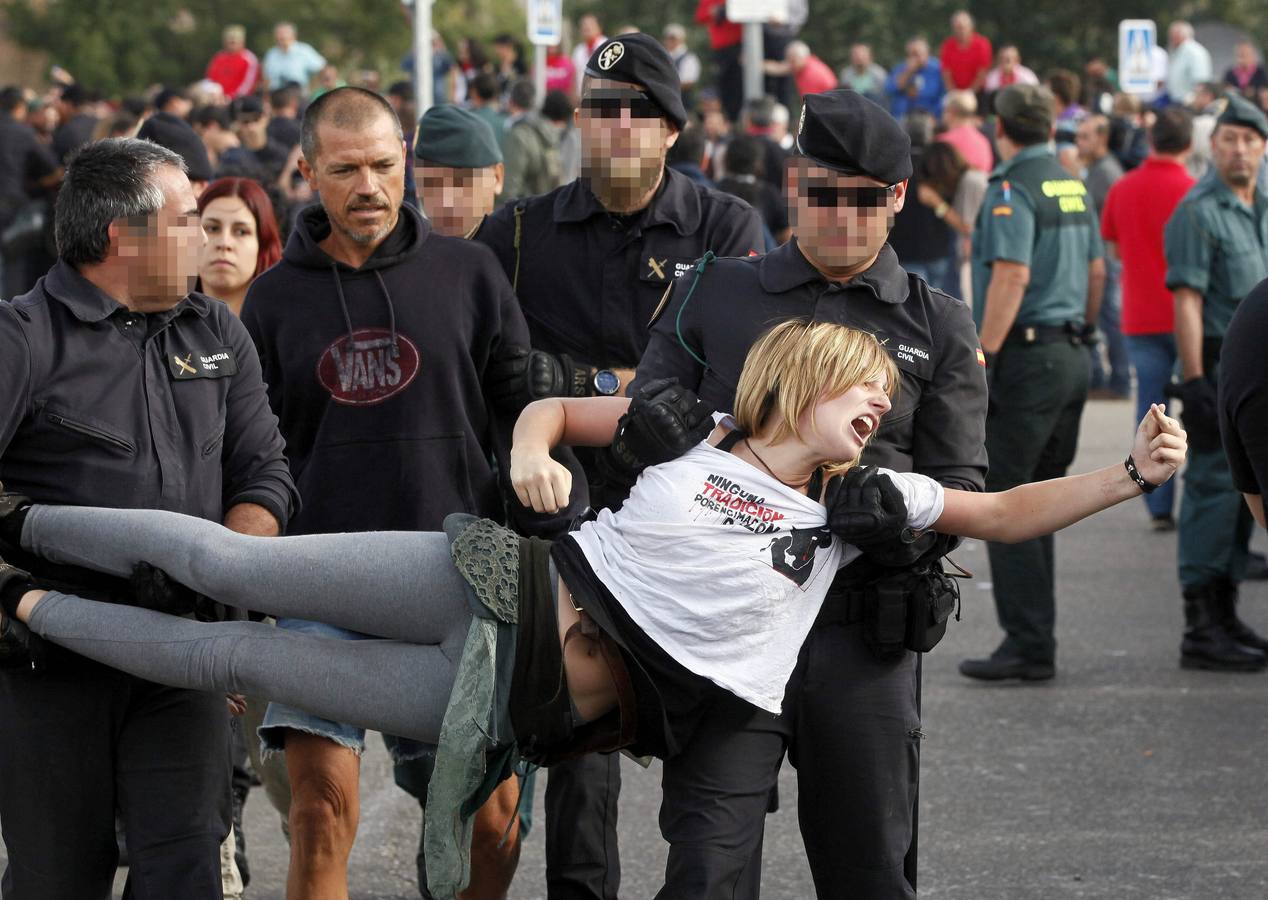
{"points": [[287, 304]]}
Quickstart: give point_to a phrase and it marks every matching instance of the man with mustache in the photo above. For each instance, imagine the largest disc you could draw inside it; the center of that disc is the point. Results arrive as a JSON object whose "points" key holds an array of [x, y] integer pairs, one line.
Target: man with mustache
{"points": [[590, 262], [375, 334]]}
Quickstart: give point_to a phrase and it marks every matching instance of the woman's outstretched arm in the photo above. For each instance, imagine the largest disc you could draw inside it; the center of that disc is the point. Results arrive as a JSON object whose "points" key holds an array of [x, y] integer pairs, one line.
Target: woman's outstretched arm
{"points": [[538, 480], [1031, 510]]}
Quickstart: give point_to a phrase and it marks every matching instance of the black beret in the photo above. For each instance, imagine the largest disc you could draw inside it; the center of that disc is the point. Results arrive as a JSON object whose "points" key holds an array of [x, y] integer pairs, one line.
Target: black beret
{"points": [[168, 131], [641, 59], [1233, 109], [844, 131], [455, 137]]}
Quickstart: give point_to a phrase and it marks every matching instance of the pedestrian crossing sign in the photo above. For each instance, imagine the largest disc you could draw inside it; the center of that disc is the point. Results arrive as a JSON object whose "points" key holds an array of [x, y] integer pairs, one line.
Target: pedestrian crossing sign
{"points": [[1136, 41]]}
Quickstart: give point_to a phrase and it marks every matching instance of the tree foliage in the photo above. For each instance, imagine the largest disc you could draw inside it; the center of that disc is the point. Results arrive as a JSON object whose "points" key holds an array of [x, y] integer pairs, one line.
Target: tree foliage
{"points": [[119, 46], [1050, 33]]}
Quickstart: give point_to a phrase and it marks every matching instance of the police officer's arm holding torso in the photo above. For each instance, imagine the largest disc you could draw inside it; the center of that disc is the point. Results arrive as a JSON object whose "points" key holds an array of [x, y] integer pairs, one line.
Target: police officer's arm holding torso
{"points": [[591, 260], [1216, 247], [122, 388], [1027, 217]]}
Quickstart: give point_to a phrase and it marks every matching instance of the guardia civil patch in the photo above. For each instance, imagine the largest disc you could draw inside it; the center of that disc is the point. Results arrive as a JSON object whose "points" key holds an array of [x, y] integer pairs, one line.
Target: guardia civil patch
{"points": [[216, 362]]}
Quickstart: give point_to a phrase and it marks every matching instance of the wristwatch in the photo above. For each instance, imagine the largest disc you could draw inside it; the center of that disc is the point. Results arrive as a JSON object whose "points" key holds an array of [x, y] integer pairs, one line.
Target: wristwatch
{"points": [[606, 383]]}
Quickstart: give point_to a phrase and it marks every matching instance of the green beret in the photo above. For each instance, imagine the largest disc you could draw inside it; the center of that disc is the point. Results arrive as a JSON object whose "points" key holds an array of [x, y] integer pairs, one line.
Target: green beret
{"points": [[1029, 105], [457, 138], [1234, 109]]}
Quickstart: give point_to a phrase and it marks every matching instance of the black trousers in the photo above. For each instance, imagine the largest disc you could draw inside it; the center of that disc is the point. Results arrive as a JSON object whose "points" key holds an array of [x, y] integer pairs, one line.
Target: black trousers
{"points": [[83, 740], [852, 729], [582, 860]]}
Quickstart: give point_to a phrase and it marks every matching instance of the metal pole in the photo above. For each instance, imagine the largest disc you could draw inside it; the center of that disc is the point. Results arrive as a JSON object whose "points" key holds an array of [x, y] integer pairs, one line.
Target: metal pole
{"points": [[539, 72], [754, 79], [422, 55]]}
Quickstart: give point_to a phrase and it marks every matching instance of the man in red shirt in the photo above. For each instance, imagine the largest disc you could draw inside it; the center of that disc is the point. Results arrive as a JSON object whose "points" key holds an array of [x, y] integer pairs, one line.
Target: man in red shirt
{"points": [[966, 56], [813, 75], [234, 68], [1136, 212]]}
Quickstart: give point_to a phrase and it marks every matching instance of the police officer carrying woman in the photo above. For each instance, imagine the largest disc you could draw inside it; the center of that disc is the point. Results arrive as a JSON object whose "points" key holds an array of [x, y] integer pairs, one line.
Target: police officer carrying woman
{"points": [[851, 718]]}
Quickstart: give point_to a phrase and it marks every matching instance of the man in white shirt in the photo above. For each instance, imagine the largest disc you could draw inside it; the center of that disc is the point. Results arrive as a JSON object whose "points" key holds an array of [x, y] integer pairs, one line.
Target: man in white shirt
{"points": [[1189, 64], [290, 61]]}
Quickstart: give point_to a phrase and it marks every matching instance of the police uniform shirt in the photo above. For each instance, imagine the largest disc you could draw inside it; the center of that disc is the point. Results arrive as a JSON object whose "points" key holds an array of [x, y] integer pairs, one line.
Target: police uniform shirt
{"points": [[589, 280], [1037, 215], [1217, 246], [103, 406], [937, 424]]}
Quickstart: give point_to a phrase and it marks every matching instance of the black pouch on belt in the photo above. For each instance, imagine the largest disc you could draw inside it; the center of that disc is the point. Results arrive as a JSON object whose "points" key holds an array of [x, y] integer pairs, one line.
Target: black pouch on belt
{"points": [[908, 610], [931, 600]]}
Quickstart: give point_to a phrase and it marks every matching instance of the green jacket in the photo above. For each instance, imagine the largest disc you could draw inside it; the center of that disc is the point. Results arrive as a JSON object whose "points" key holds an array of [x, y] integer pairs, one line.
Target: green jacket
{"points": [[1218, 246], [531, 154], [1037, 215]]}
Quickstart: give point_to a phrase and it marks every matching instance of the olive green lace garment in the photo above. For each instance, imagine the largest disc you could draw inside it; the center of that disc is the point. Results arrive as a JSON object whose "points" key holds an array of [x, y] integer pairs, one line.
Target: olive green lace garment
{"points": [[477, 748]]}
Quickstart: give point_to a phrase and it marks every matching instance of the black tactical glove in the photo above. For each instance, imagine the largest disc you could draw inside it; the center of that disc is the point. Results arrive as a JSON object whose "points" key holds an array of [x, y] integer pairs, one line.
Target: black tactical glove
{"points": [[20, 648], [519, 376], [14, 584], [153, 588], [865, 508], [664, 421], [13, 508], [1200, 414]]}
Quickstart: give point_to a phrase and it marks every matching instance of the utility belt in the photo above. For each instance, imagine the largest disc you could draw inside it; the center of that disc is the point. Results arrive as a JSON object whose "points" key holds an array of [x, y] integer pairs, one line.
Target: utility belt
{"points": [[1031, 335], [905, 610]]}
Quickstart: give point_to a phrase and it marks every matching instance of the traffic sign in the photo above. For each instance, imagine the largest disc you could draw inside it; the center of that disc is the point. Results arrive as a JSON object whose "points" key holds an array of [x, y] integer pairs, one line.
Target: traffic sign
{"points": [[757, 11], [1136, 41], [545, 22]]}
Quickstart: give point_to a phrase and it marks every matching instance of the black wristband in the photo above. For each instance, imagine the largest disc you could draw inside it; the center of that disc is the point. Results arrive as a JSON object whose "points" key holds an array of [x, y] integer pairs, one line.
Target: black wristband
{"points": [[1130, 465]]}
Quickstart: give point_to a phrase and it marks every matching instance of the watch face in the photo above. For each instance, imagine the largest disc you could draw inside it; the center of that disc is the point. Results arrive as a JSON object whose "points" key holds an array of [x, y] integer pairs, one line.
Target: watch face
{"points": [[606, 382]]}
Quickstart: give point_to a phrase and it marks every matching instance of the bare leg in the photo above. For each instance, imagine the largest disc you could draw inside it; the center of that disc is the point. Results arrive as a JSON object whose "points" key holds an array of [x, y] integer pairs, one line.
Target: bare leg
{"points": [[325, 807]]}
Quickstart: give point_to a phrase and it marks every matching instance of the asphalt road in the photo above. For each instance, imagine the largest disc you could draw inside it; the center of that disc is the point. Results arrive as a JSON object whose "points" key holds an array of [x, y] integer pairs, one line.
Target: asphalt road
{"points": [[1125, 777]]}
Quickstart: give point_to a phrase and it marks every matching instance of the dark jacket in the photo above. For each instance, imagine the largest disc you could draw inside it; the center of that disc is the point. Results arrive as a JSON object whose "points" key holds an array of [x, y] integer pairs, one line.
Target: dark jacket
{"points": [[589, 281], [100, 406], [376, 375]]}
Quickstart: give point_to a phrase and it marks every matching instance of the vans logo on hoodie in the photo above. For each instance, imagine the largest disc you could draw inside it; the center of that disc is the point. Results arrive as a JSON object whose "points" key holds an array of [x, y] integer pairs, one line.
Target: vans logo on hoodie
{"points": [[365, 368]]}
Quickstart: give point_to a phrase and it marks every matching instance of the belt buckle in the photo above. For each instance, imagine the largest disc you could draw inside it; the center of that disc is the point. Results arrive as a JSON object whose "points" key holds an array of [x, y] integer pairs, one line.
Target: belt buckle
{"points": [[1030, 334]]}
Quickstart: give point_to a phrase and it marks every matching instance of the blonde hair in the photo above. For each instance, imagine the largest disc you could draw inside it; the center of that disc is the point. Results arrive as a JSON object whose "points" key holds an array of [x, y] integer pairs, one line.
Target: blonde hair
{"points": [[795, 364]]}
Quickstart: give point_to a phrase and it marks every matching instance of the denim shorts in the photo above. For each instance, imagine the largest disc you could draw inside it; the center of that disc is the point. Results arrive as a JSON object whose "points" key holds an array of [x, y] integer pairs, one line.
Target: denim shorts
{"points": [[279, 717]]}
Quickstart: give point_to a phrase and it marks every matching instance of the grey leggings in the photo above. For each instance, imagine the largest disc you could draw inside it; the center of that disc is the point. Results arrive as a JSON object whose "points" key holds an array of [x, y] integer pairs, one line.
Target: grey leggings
{"points": [[401, 586]]}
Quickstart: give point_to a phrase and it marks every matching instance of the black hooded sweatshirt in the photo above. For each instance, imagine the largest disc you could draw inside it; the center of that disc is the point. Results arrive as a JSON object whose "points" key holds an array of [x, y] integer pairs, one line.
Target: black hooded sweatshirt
{"points": [[375, 376]]}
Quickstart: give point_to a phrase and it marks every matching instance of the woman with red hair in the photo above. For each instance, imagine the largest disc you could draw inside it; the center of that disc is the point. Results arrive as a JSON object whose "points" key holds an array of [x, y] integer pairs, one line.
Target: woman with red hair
{"points": [[242, 239]]}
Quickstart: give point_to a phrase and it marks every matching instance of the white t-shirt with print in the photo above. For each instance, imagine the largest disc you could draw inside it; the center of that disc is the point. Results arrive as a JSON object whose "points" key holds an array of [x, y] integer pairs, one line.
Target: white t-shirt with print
{"points": [[725, 567]]}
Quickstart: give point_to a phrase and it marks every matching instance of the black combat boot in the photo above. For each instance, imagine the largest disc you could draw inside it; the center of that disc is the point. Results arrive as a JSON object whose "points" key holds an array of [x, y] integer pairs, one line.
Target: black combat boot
{"points": [[1226, 592], [1206, 644]]}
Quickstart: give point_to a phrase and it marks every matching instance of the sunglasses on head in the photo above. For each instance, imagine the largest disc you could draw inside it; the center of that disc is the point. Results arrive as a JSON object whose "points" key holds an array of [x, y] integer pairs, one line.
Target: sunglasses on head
{"points": [[824, 195], [605, 105]]}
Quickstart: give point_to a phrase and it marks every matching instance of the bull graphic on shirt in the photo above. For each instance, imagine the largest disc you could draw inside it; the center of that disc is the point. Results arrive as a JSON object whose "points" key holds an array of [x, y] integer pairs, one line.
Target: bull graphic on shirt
{"points": [[793, 554]]}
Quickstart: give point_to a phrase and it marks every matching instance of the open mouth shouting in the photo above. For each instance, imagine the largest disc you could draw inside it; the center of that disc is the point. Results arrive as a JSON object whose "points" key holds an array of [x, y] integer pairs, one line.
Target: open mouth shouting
{"points": [[864, 426]]}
